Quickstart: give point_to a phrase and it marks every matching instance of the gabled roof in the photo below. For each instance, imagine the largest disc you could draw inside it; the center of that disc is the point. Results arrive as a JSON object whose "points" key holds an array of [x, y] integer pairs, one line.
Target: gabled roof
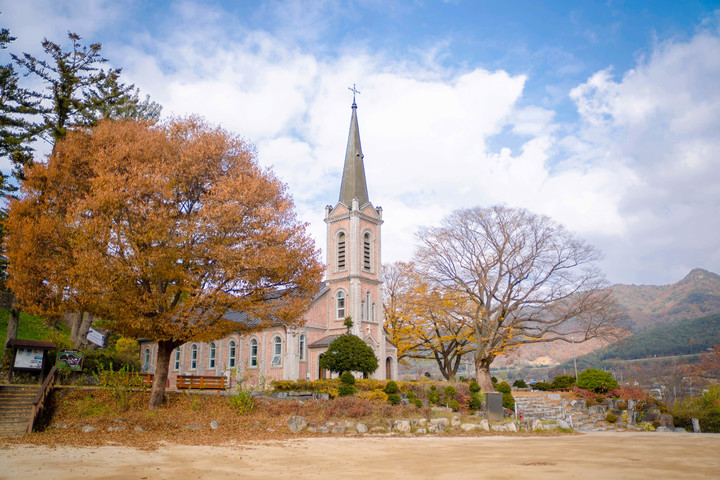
{"points": [[353, 179], [324, 342]]}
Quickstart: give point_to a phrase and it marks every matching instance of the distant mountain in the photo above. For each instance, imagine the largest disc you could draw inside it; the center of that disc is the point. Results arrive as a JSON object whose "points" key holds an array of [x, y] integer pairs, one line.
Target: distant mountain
{"points": [[644, 307], [647, 306]]}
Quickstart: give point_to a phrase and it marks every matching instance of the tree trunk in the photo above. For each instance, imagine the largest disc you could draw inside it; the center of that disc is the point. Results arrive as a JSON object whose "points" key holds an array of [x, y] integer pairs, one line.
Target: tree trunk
{"points": [[13, 322], [157, 393], [482, 375], [79, 323]]}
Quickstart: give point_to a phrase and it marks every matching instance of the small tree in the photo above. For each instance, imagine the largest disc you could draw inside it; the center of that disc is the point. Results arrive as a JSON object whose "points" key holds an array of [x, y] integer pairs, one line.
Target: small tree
{"points": [[348, 353], [597, 381]]}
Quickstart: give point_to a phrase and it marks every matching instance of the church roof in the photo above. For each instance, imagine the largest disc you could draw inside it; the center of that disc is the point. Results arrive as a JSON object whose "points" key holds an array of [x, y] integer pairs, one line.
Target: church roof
{"points": [[324, 342], [353, 179]]}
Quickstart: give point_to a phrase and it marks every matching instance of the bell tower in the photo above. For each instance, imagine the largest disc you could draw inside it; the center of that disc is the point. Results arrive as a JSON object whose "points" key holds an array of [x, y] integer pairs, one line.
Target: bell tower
{"points": [[354, 252]]}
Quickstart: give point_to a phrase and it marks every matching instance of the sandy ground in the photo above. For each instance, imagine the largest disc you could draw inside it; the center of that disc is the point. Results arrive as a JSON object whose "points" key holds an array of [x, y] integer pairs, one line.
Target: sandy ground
{"points": [[598, 455]]}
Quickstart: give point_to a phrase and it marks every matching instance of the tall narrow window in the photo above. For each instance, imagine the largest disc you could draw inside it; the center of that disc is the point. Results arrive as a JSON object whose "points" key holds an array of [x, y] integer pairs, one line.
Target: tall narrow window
{"points": [[176, 363], [277, 352], [367, 258], [367, 305], [146, 362], [232, 348], [253, 353], [193, 357], [362, 310], [373, 312], [340, 305], [341, 251], [302, 346], [211, 357]]}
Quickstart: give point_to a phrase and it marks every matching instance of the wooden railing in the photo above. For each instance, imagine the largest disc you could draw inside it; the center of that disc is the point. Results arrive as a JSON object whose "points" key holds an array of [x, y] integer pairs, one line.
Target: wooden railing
{"points": [[200, 383], [41, 397]]}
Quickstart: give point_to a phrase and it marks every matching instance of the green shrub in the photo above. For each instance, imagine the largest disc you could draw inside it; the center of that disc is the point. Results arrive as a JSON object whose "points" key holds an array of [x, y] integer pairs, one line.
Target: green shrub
{"points": [[243, 402], [611, 417], [503, 387], [393, 399], [347, 378], [345, 390], [433, 388], [520, 383], [349, 353], [543, 386], [417, 402], [434, 397], [391, 387], [454, 405], [597, 381], [508, 401], [450, 392], [411, 396], [474, 387], [475, 402], [493, 380], [563, 382]]}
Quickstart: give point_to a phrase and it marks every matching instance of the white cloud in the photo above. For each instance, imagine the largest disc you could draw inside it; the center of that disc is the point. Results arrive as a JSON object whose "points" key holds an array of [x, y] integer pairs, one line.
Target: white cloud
{"points": [[638, 174]]}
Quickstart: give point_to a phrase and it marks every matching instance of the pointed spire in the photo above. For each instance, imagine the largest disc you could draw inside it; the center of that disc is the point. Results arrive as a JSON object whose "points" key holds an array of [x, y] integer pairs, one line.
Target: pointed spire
{"points": [[353, 179]]}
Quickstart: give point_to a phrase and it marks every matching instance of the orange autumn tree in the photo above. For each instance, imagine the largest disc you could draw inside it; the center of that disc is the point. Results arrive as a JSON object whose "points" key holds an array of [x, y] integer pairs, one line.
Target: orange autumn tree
{"points": [[159, 230], [522, 279], [423, 320]]}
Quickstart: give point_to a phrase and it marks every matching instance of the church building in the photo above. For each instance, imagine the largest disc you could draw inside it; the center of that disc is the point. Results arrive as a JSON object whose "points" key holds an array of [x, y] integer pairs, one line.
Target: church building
{"points": [[353, 287]]}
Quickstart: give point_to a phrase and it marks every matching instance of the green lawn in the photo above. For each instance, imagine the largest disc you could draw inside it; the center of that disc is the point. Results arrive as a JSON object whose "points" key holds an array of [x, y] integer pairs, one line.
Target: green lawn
{"points": [[29, 328]]}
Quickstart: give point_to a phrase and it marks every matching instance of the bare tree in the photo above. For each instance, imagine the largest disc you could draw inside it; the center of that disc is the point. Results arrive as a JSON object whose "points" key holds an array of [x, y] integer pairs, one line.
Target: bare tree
{"points": [[524, 277]]}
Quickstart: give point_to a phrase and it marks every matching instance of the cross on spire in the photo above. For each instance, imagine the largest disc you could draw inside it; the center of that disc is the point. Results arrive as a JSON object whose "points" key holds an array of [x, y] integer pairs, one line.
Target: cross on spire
{"points": [[354, 90]]}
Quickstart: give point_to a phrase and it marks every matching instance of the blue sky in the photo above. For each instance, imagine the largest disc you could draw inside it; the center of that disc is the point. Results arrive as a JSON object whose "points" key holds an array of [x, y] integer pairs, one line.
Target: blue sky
{"points": [[603, 115]]}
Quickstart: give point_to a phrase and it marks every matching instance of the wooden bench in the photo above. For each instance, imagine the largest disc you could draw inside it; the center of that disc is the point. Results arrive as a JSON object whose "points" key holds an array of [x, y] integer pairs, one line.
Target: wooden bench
{"points": [[193, 382]]}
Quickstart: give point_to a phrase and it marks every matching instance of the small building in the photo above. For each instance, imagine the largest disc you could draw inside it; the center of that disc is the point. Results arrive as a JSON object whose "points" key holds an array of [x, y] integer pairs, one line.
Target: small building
{"points": [[353, 287]]}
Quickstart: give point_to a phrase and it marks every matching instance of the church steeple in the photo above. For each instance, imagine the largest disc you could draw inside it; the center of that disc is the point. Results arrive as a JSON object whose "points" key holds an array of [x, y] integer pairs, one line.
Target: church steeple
{"points": [[353, 179]]}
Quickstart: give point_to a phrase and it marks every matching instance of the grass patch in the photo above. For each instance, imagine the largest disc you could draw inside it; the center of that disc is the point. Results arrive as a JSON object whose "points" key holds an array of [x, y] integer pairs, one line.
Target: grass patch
{"points": [[30, 327]]}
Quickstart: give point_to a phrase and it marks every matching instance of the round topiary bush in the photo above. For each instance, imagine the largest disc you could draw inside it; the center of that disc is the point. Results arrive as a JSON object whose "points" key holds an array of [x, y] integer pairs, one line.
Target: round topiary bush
{"points": [[434, 397], [347, 378], [411, 396], [503, 387], [417, 402], [508, 401], [345, 390], [391, 387], [393, 399], [597, 381], [454, 405], [520, 383], [474, 387], [563, 382], [450, 392], [542, 386], [611, 417], [475, 402]]}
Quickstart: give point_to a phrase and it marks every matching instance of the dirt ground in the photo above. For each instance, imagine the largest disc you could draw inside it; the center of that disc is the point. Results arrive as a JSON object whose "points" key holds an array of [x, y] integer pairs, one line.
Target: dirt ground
{"points": [[585, 456]]}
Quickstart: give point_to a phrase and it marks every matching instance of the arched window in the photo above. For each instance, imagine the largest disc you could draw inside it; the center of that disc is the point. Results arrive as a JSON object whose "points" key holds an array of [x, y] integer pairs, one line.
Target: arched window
{"points": [[176, 360], [340, 305], [253, 353], [211, 357], [302, 346], [341, 251], [146, 361], [367, 252], [232, 347], [362, 310], [193, 357], [277, 352], [373, 312]]}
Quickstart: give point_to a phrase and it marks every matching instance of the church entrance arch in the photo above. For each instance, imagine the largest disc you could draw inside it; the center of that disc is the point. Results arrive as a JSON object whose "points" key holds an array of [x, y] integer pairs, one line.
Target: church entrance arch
{"points": [[321, 370]]}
